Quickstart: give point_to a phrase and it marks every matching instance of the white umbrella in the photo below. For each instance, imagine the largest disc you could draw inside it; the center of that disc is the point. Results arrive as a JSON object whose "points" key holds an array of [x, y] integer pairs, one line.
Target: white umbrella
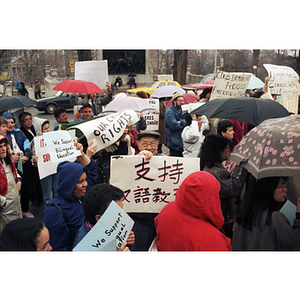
{"points": [[255, 83], [119, 104], [167, 91]]}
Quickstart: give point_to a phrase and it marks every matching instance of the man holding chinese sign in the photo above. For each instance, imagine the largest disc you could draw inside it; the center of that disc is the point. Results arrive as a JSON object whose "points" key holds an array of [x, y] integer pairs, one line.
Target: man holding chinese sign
{"points": [[144, 228]]}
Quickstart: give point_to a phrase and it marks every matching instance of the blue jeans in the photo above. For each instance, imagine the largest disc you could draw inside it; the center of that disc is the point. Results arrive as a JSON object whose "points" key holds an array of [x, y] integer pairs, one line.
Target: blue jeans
{"points": [[48, 184]]}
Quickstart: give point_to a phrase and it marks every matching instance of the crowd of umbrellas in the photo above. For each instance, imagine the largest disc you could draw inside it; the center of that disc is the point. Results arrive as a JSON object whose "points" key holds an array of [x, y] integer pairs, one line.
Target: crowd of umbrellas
{"points": [[271, 148]]}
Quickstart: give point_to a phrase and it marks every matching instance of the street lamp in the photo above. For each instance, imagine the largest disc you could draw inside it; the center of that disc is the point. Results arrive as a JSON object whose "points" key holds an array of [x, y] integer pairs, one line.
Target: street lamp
{"points": [[255, 70]]}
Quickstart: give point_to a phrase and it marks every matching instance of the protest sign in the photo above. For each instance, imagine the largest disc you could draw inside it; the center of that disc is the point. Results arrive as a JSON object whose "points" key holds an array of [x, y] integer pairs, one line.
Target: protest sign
{"points": [[149, 185], [109, 233], [94, 71], [60, 145], [107, 130], [284, 81], [152, 117], [45, 165], [229, 85]]}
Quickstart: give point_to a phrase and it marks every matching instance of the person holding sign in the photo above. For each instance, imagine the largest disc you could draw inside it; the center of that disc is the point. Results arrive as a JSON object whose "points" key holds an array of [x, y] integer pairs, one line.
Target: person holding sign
{"points": [[144, 227], [97, 101], [64, 216], [259, 224], [193, 220], [96, 201]]}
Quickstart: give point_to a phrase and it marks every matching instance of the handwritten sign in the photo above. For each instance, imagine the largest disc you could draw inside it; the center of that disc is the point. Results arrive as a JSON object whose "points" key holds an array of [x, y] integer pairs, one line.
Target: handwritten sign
{"points": [[94, 71], [109, 233], [105, 131], [229, 85], [284, 81], [149, 185], [152, 117], [60, 145]]}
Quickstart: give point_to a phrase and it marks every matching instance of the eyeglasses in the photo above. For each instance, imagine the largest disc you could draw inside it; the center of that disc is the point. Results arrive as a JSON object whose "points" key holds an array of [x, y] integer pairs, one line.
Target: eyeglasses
{"points": [[26, 120], [145, 144]]}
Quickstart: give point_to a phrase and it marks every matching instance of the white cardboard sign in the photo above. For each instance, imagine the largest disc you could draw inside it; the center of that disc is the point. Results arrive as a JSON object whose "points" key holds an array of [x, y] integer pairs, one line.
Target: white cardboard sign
{"points": [[149, 185], [109, 233], [94, 71]]}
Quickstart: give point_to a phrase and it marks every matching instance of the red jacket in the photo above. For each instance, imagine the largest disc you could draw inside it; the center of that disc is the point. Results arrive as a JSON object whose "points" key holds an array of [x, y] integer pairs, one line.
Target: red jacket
{"points": [[192, 221]]}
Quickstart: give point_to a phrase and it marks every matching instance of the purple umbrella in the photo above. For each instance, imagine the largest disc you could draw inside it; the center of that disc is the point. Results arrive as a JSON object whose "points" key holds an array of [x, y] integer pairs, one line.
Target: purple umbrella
{"points": [[167, 91], [271, 149]]}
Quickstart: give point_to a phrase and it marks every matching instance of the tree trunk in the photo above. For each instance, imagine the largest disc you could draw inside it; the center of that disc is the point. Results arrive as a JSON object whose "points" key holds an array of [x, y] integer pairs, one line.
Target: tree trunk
{"points": [[180, 66], [84, 55]]}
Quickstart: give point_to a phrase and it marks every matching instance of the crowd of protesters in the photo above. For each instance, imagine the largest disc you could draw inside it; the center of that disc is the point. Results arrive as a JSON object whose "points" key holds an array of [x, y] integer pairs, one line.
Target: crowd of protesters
{"points": [[213, 210]]}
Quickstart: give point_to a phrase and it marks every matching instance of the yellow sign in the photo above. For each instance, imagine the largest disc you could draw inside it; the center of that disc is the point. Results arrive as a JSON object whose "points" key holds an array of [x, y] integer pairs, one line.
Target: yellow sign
{"points": [[72, 65]]}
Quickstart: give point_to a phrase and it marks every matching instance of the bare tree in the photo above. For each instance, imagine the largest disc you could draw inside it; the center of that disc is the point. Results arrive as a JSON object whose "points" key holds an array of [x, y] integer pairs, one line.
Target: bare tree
{"points": [[84, 55], [180, 66]]}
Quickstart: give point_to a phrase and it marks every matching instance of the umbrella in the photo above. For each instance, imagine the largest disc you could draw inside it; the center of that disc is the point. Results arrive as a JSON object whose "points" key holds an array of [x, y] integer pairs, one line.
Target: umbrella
{"points": [[188, 98], [255, 83], [78, 86], [271, 149], [137, 104], [11, 102], [245, 109], [167, 91]]}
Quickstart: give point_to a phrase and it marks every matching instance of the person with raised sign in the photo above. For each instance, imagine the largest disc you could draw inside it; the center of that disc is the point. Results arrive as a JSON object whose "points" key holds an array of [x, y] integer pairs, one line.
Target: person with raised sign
{"points": [[96, 201], [144, 228], [193, 220], [64, 216]]}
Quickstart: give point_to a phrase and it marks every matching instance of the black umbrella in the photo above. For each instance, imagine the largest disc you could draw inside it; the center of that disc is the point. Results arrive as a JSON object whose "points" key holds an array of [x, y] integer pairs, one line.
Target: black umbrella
{"points": [[132, 75], [246, 109], [11, 102]]}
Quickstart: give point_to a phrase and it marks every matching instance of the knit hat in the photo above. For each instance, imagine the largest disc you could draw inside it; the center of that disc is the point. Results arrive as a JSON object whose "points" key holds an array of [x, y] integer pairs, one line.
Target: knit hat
{"points": [[6, 115], [176, 95]]}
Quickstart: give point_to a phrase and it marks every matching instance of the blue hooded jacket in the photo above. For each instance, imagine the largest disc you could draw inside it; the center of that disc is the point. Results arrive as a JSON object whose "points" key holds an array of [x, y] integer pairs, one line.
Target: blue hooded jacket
{"points": [[62, 233]]}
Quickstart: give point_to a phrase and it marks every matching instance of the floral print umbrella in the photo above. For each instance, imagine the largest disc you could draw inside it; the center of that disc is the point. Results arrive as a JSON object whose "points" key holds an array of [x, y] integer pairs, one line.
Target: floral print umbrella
{"points": [[271, 149]]}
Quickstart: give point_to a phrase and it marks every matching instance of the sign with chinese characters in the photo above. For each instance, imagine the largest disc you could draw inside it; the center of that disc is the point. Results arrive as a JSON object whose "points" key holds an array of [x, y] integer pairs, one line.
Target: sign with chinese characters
{"points": [[149, 185], [229, 85], [107, 130], [109, 233], [94, 71], [46, 165], [284, 81]]}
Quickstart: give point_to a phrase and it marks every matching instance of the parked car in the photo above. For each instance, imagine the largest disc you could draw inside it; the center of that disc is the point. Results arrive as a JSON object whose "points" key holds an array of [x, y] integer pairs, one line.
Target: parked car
{"points": [[49, 104], [199, 87], [150, 88]]}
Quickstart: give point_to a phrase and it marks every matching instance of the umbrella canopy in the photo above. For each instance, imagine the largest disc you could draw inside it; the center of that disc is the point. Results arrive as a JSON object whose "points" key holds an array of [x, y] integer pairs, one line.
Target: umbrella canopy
{"points": [[11, 102], [188, 98], [78, 86], [167, 91], [272, 148], [255, 83], [119, 104], [245, 109]]}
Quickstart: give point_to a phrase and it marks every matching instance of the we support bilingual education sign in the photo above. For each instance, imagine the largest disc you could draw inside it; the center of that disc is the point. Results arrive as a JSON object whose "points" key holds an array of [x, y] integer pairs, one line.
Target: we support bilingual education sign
{"points": [[149, 185], [109, 233]]}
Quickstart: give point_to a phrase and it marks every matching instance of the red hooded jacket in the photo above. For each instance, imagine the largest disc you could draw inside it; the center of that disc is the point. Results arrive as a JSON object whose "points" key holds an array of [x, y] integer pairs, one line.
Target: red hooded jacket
{"points": [[192, 221]]}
